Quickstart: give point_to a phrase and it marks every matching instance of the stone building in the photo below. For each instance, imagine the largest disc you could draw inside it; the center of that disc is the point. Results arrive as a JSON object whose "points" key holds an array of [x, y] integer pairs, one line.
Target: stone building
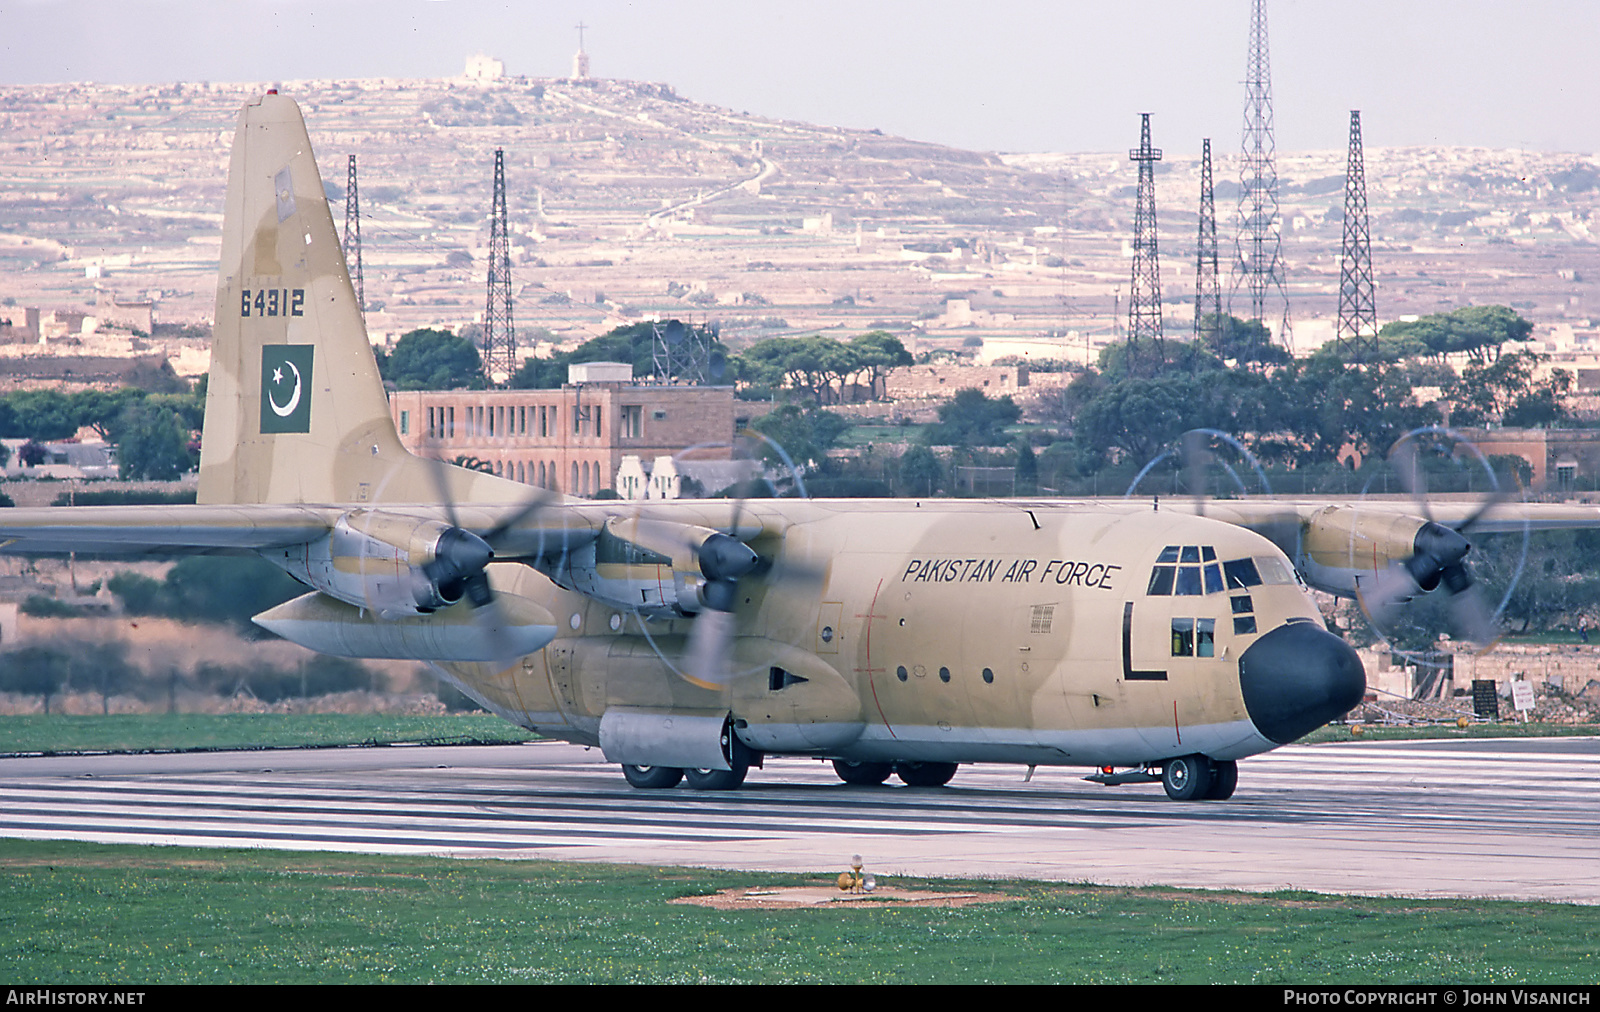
{"points": [[572, 439], [1560, 458]]}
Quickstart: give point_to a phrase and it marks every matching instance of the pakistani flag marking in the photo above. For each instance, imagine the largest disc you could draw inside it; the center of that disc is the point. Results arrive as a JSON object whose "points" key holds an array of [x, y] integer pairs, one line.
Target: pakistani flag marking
{"points": [[286, 387]]}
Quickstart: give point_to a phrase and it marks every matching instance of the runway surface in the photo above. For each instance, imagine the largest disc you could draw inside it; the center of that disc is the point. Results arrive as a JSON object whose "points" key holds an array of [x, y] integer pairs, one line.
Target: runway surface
{"points": [[1511, 818]]}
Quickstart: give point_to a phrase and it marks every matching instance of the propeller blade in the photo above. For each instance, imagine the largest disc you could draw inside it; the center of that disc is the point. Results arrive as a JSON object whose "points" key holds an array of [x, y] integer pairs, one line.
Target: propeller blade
{"points": [[1407, 463], [1472, 618], [1196, 460], [533, 504], [710, 644], [1382, 595]]}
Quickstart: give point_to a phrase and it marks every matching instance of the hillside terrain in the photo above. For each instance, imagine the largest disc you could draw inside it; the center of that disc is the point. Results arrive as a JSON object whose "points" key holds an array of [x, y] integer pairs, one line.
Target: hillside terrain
{"points": [[627, 200]]}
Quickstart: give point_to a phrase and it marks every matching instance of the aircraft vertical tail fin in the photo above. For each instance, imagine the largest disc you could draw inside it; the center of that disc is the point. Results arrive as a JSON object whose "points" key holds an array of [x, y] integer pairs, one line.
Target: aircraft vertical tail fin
{"points": [[295, 407]]}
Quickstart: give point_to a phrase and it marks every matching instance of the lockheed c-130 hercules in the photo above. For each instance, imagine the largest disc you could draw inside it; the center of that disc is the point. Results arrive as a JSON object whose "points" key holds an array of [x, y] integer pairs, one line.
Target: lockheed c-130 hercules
{"points": [[690, 639]]}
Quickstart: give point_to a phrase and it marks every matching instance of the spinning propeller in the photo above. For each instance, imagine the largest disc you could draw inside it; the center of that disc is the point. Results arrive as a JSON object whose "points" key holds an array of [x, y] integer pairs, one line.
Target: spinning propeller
{"points": [[723, 560], [460, 565], [1439, 553]]}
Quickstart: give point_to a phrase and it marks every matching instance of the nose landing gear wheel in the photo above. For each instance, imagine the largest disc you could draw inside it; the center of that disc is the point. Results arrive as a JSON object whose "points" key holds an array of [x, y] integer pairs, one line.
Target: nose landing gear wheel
{"points": [[862, 774], [652, 778], [1224, 778], [925, 774], [1186, 778], [717, 780]]}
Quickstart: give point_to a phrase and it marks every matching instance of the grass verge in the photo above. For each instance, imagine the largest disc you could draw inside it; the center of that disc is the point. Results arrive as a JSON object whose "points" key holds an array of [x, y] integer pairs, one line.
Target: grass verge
{"points": [[144, 732], [84, 913], [1430, 732]]}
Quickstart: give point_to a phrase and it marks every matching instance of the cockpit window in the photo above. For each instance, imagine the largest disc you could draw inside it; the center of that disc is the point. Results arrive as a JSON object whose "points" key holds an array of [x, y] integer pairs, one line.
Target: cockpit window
{"points": [[1193, 571], [1179, 571], [1274, 570], [1242, 574]]}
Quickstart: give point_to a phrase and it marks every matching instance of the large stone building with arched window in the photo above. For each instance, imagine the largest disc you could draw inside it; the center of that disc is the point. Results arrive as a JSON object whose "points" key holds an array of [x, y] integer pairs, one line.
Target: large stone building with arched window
{"points": [[569, 440]]}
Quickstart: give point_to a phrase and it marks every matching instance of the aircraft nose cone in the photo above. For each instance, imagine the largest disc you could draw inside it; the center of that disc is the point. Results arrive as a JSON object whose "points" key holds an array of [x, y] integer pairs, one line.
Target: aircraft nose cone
{"points": [[1297, 678]]}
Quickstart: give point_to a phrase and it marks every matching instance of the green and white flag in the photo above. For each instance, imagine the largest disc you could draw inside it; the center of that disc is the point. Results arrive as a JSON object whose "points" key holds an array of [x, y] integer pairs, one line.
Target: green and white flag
{"points": [[286, 387]]}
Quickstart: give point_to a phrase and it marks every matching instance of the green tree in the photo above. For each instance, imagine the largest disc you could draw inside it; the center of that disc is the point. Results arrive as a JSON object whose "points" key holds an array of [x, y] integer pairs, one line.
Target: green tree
{"points": [[971, 418], [1027, 470], [806, 435], [152, 443], [877, 352], [1247, 342], [919, 472], [1506, 391], [633, 343], [429, 359], [102, 409], [1479, 331], [42, 415]]}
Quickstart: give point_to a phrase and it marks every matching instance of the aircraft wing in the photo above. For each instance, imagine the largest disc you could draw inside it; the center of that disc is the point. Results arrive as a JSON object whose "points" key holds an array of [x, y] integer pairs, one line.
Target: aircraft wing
{"points": [[1498, 518], [165, 529], [169, 529]]}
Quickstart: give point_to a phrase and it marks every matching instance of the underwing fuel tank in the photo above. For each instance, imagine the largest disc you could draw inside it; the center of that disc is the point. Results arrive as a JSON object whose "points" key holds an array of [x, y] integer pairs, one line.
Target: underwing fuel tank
{"points": [[513, 627]]}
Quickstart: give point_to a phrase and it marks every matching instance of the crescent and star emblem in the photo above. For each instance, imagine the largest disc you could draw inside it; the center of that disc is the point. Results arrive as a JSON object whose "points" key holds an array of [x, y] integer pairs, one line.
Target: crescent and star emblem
{"points": [[285, 410]]}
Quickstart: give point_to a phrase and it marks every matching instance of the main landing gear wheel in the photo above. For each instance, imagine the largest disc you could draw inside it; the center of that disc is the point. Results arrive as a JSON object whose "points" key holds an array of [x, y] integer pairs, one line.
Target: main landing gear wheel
{"points": [[1187, 778], [925, 774], [717, 780], [1224, 778], [652, 778], [863, 774]]}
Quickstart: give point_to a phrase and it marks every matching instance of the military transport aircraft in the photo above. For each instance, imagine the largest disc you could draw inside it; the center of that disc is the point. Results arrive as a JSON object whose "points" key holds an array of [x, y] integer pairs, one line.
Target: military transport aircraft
{"points": [[690, 639]]}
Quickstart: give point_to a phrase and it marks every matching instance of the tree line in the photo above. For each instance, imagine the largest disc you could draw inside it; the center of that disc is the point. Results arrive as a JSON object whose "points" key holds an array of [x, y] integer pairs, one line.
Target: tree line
{"points": [[155, 433]]}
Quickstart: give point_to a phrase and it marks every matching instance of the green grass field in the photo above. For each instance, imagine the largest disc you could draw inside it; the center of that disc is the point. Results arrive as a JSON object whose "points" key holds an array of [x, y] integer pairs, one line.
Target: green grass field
{"points": [[143, 732], [81, 914]]}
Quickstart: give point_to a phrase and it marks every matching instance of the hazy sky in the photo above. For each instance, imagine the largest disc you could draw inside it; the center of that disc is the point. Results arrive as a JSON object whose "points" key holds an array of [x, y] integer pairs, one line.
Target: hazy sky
{"points": [[1005, 75]]}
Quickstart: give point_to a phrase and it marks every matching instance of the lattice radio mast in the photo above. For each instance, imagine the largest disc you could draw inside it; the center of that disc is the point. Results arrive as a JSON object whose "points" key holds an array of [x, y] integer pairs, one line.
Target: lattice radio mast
{"points": [[352, 236], [1144, 290], [499, 337], [1259, 268], [1357, 329], [1207, 283]]}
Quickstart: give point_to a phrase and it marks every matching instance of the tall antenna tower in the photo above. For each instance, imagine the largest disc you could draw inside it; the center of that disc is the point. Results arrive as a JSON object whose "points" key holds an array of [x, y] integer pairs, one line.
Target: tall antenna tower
{"points": [[1357, 329], [352, 236], [499, 338], [1259, 269], [1144, 290], [1207, 284]]}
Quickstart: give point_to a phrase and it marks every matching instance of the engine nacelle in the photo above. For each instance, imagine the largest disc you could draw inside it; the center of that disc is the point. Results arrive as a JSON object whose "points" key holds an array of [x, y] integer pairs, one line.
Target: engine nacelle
{"points": [[318, 622], [1343, 545], [389, 563], [658, 567]]}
